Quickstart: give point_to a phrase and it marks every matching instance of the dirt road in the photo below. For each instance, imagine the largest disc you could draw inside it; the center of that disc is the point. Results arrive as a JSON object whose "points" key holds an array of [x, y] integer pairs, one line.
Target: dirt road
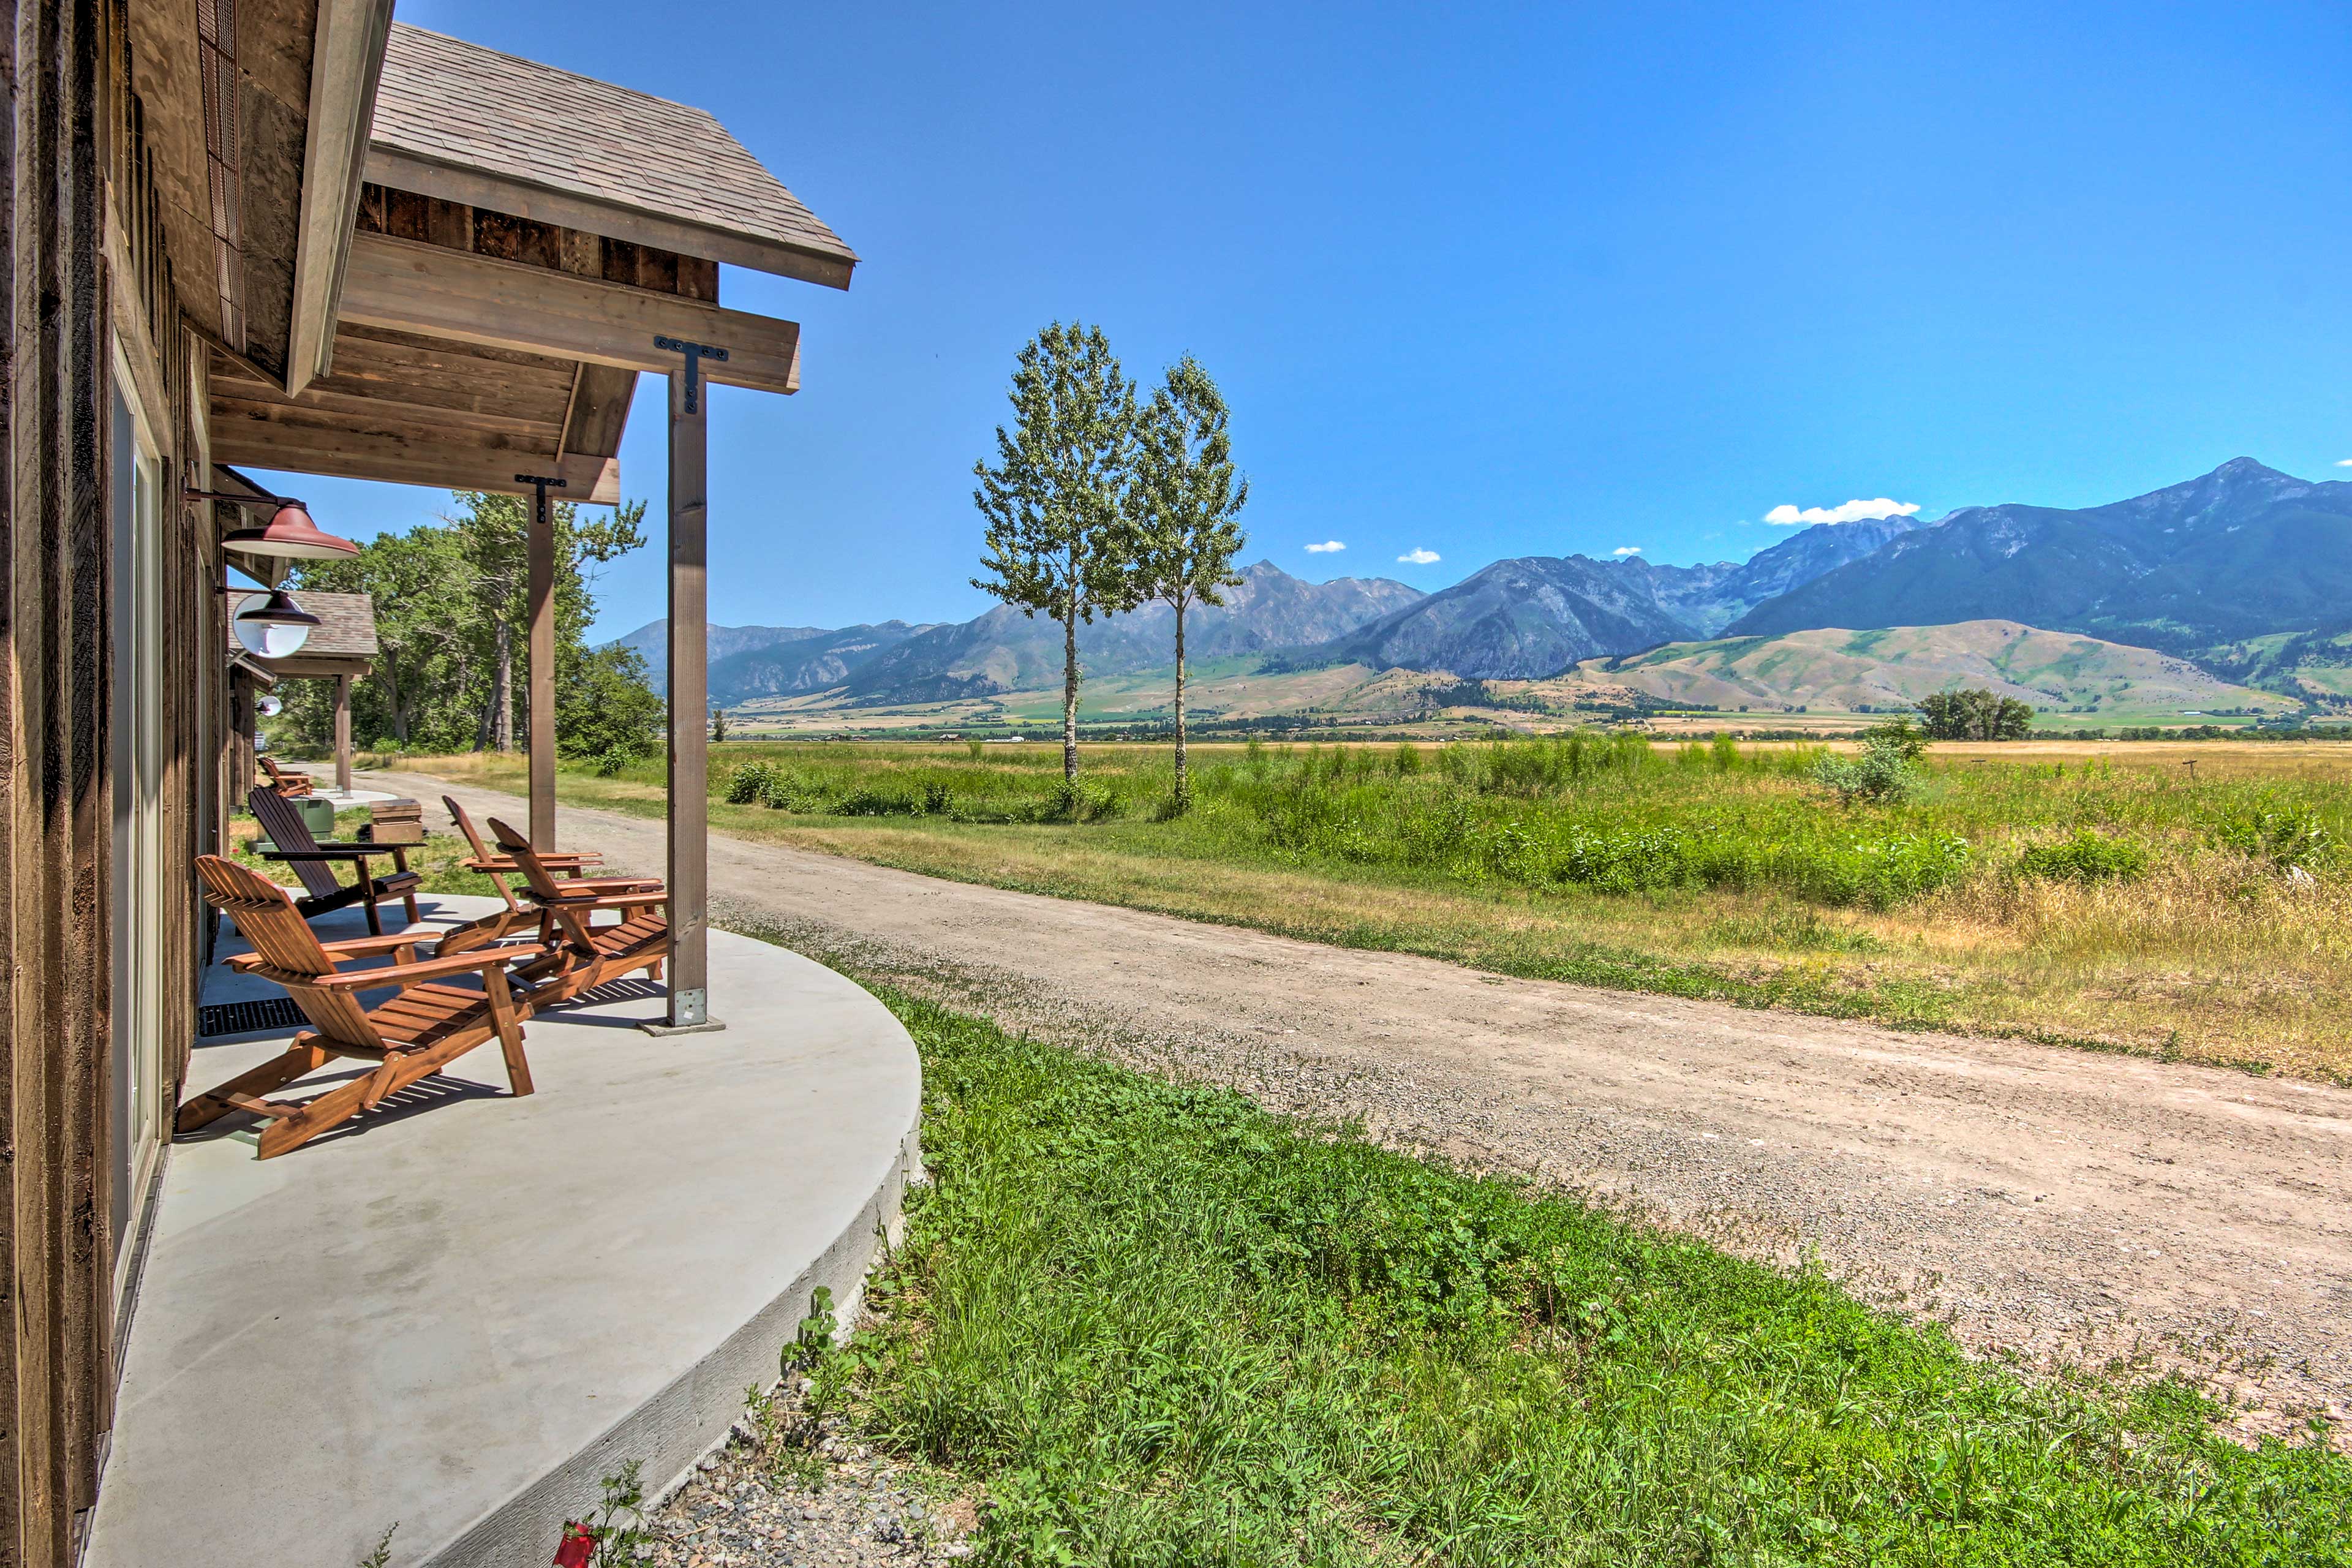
{"points": [[2046, 1201]]}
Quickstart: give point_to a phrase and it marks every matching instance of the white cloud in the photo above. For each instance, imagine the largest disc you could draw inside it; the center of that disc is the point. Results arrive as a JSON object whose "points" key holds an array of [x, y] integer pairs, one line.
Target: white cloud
{"points": [[1627, 550], [2343, 462], [1326, 548], [1852, 512], [1418, 557]]}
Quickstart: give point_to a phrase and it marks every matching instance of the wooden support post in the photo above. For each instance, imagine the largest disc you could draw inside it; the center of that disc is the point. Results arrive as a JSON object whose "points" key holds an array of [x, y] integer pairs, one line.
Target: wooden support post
{"points": [[343, 734], [542, 660], [690, 739]]}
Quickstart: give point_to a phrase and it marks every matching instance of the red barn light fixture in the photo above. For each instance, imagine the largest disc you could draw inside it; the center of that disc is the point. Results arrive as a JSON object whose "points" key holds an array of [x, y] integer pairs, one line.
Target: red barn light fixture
{"points": [[289, 531]]}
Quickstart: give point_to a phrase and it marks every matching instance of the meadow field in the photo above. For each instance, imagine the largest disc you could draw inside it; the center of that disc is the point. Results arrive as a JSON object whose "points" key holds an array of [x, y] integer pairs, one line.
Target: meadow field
{"points": [[2192, 901]]}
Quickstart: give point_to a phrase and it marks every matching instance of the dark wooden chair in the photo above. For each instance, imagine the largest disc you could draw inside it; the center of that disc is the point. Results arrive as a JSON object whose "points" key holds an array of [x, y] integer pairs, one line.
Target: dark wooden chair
{"points": [[584, 955], [314, 863], [418, 1031], [285, 780]]}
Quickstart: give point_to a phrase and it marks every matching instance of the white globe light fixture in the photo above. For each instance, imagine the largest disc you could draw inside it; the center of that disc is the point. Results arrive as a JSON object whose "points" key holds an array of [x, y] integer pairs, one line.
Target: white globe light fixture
{"points": [[272, 625]]}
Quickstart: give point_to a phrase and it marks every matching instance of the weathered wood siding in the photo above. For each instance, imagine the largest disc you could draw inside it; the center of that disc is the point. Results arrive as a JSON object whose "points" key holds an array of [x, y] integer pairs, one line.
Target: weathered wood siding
{"points": [[74, 139]]}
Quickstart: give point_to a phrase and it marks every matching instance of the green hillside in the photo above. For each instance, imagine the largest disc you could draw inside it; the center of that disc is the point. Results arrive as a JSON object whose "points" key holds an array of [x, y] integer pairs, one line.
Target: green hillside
{"points": [[1892, 668]]}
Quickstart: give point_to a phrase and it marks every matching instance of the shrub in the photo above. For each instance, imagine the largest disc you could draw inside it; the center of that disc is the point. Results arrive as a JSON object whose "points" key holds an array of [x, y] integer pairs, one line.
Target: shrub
{"points": [[2291, 837], [773, 786], [1885, 872], [748, 784], [788, 790], [1882, 775], [2086, 857]]}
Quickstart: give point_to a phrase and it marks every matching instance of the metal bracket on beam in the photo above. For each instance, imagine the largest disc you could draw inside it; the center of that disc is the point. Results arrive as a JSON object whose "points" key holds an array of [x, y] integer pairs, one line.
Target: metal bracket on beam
{"points": [[543, 480], [695, 354]]}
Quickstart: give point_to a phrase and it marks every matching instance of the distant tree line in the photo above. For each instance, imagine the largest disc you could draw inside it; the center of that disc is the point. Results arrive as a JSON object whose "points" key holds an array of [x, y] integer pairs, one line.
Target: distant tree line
{"points": [[452, 616], [1099, 503]]}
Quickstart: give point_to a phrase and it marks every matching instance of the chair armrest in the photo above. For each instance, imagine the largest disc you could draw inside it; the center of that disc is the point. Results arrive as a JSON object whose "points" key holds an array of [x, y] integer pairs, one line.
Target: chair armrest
{"points": [[321, 853], [609, 902], [369, 946], [466, 962], [557, 862]]}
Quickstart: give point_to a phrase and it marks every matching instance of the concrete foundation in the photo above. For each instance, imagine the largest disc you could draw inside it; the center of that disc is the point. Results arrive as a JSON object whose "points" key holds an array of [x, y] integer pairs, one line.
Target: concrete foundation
{"points": [[463, 1311]]}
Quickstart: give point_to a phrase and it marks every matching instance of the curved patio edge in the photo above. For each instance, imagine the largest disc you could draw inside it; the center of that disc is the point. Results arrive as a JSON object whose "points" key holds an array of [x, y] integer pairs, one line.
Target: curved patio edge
{"points": [[669, 1434], [464, 1311]]}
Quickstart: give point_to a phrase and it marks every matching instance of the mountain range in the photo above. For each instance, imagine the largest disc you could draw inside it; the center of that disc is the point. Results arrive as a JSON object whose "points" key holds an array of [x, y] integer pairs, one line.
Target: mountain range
{"points": [[2245, 568], [1537, 614], [2242, 552]]}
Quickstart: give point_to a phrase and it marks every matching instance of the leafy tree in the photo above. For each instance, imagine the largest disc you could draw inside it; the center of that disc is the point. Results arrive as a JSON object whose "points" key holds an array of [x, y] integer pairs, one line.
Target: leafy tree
{"points": [[718, 723], [605, 713], [1974, 714], [1056, 544], [1181, 509], [452, 605]]}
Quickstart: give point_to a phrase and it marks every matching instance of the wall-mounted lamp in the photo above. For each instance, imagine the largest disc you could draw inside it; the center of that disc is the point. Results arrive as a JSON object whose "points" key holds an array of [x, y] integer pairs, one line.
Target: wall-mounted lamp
{"points": [[272, 625], [289, 531]]}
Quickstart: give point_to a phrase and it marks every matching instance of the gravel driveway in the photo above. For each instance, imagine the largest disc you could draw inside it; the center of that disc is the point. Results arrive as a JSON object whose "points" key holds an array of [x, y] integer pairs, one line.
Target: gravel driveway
{"points": [[2043, 1202]]}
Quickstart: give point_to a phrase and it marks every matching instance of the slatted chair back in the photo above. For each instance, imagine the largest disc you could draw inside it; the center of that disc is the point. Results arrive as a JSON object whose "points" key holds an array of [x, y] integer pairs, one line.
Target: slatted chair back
{"points": [[517, 846], [286, 829], [290, 783], [465, 821], [291, 952], [590, 955]]}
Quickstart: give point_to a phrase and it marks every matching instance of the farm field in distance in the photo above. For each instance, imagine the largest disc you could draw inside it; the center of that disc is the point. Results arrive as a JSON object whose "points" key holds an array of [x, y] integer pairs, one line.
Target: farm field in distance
{"points": [[2104, 894]]}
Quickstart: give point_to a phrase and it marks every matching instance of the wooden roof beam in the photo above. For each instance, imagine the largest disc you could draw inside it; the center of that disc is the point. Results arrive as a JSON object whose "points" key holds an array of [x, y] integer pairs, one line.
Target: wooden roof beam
{"points": [[407, 287], [404, 460]]}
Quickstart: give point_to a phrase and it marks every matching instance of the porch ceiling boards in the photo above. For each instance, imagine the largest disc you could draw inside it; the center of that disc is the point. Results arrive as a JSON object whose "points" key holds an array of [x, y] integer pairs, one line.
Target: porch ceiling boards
{"points": [[427, 411]]}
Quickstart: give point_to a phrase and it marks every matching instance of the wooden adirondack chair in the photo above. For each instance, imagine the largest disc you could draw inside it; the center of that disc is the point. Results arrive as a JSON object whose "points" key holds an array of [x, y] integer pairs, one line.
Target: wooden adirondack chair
{"points": [[569, 864], [418, 1031], [314, 863], [585, 954], [285, 780]]}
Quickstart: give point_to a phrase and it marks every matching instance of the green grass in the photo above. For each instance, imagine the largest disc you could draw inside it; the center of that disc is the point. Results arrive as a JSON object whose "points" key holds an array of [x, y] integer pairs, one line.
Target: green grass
{"points": [[1155, 1325]]}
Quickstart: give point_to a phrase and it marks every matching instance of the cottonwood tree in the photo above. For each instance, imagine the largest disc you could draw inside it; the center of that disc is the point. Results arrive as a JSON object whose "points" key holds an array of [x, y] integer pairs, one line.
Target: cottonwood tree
{"points": [[1182, 511], [1974, 714], [452, 608], [1056, 544]]}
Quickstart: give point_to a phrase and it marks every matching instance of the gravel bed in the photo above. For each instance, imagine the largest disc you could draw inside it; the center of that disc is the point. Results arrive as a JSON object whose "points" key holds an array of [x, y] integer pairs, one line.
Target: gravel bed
{"points": [[788, 1490]]}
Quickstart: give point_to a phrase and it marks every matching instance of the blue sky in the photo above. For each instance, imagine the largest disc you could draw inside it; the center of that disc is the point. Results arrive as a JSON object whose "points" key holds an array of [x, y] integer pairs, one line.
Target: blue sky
{"points": [[1489, 281]]}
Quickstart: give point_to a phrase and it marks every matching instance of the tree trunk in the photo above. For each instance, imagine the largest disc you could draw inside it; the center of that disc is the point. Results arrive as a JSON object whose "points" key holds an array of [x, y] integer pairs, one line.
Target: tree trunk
{"points": [[391, 695], [1070, 691], [502, 691], [1184, 780]]}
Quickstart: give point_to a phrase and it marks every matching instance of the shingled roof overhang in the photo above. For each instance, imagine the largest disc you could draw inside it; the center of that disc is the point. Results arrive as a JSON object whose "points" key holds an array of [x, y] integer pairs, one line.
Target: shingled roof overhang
{"points": [[468, 124], [523, 241], [343, 642]]}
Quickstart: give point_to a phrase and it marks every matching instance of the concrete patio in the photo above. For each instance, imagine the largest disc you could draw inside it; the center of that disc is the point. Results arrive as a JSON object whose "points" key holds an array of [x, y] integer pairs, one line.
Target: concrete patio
{"points": [[462, 1312]]}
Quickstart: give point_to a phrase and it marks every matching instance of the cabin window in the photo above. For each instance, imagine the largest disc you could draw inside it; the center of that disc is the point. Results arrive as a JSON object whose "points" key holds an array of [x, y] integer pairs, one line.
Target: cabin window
{"points": [[137, 743]]}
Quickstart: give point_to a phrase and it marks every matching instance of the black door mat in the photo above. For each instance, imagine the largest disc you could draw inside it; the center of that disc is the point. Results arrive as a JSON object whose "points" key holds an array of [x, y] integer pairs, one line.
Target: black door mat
{"points": [[249, 1018]]}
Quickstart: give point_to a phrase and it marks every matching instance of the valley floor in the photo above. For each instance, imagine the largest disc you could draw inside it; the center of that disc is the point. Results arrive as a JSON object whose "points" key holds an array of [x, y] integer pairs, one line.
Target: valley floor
{"points": [[2057, 1204]]}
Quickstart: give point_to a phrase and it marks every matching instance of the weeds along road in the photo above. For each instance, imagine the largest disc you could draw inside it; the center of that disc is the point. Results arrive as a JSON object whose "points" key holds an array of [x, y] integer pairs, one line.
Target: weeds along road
{"points": [[2046, 1202]]}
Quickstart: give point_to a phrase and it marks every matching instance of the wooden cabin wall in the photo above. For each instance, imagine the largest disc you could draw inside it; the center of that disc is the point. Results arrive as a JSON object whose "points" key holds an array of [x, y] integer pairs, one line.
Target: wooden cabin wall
{"points": [[73, 141]]}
